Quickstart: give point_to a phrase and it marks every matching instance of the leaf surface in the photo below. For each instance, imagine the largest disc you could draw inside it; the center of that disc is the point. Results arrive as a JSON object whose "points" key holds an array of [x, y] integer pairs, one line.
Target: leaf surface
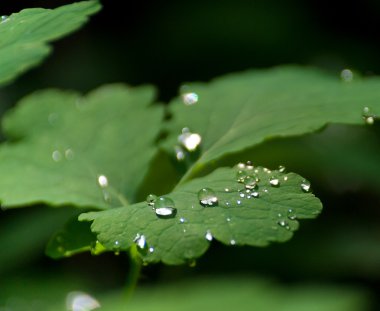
{"points": [[91, 151], [24, 35], [238, 218], [239, 111]]}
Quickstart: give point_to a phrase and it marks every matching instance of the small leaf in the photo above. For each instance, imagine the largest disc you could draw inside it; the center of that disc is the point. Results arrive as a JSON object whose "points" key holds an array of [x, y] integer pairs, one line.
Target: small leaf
{"points": [[91, 151], [239, 216], [75, 237], [24, 35], [239, 111]]}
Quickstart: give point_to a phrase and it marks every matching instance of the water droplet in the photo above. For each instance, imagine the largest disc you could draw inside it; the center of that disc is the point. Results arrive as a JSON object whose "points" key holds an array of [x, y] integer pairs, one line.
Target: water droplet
{"points": [[4, 18], [151, 249], [151, 199], [209, 236], [285, 178], [190, 98], [69, 154], [274, 182], [227, 190], [250, 182], [282, 223], [56, 156], [79, 301], [255, 194], [227, 204], [207, 197], [291, 214], [228, 219], [346, 75], [368, 117], [241, 166], [305, 186], [249, 166], [369, 120], [140, 241], [281, 169], [102, 181], [179, 153], [233, 242], [189, 140], [165, 208], [238, 202], [182, 220]]}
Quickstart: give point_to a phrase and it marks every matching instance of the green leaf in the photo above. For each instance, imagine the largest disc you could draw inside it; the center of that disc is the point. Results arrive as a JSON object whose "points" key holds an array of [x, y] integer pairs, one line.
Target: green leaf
{"points": [[75, 237], [24, 35], [240, 111], [248, 220], [91, 151]]}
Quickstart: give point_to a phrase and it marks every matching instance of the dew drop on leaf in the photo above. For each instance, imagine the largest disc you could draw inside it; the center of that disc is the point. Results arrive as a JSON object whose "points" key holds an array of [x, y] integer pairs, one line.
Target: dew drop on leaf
{"points": [[182, 220], [3, 18], [140, 241], [241, 175], [238, 202], [56, 156], [151, 199], [233, 242], [165, 208], [179, 153], [69, 154], [281, 169], [249, 166], [102, 181], [282, 223], [305, 186], [151, 249], [241, 166], [189, 140], [250, 182], [190, 98], [346, 75], [209, 236], [274, 182], [207, 197], [79, 301]]}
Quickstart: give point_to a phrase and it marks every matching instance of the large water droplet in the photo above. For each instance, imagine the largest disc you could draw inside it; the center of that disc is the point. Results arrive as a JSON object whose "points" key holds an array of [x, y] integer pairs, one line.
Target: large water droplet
{"points": [[140, 241], [305, 186], [78, 301], [189, 140], [250, 182], [207, 197], [274, 182], [102, 181], [151, 199], [165, 207], [209, 236], [241, 175], [346, 75], [190, 98], [56, 156]]}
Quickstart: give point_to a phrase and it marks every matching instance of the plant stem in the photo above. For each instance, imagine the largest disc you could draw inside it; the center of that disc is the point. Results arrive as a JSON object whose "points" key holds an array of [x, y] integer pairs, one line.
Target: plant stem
{"points": [[134, 271]]}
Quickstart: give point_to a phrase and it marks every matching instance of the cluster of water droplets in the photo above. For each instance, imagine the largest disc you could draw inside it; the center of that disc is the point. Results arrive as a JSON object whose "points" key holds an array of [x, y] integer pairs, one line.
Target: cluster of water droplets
{"points": [[369, 117], [188, 142]]}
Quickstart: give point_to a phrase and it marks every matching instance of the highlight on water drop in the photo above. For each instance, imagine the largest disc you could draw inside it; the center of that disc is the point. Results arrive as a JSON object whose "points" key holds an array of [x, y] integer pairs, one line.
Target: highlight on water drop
{"points": [[190, 141]]}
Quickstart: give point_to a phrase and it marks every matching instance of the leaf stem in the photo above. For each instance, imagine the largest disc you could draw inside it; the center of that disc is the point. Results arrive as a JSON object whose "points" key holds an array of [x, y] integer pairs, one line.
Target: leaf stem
{"points": [[134, 271]]}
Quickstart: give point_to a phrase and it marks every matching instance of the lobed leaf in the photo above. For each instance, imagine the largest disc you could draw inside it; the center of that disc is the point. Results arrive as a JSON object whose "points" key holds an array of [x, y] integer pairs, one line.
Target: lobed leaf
{"points": [[238, 218], [24, 35], [239, 111], [91, 151]]}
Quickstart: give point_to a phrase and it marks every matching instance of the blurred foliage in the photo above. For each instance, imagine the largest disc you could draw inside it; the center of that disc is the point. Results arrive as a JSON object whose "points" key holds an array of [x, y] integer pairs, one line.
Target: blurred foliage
{"points": [[167, 43]]}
